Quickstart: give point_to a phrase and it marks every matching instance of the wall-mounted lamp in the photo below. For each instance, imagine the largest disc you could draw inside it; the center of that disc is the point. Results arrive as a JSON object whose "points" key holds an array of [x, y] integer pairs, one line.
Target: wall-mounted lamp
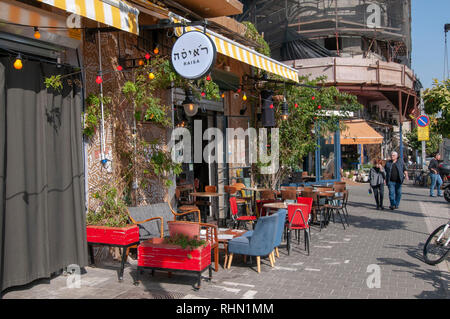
{"points": [[284, 110], [190, 108]]}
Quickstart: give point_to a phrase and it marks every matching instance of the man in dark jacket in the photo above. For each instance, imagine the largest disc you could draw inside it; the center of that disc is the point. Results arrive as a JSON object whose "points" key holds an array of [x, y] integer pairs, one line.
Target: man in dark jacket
{"points": [[395, 175], [436, 179]]}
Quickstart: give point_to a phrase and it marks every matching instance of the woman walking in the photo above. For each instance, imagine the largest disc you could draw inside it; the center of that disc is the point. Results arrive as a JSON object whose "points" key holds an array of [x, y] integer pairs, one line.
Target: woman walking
{"points": [[377, 177]]}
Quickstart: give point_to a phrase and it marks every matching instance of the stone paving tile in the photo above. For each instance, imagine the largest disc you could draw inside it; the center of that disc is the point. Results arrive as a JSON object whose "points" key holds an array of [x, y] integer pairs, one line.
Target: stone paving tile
{"points": [[338, 265]]}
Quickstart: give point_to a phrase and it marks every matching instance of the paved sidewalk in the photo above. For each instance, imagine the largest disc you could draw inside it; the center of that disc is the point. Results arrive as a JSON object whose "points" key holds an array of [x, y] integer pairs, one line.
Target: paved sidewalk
{"points": [[342, 263]]}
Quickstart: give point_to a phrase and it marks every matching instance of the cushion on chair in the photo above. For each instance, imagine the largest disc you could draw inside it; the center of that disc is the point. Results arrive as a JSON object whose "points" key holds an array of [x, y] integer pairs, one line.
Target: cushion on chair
{"points": [[152, 228], [246, 218], [239, 245]]}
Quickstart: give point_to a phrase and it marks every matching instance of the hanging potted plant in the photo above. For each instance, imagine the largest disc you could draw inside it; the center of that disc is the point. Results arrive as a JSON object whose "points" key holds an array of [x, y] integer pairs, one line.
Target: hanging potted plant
{"points": [[109, 223]]}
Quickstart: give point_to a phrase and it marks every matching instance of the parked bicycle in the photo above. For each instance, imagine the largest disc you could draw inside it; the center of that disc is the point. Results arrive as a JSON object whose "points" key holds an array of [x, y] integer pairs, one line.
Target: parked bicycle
{"points": [[437, 245]]}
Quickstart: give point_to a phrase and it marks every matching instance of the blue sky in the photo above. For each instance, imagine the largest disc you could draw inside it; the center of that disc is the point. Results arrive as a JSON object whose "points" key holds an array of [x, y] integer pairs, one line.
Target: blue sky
{"points": [[428, 19]]}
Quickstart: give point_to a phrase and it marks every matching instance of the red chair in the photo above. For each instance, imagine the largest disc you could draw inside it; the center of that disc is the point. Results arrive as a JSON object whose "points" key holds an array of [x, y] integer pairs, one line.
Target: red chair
{"points": [[298, 219], [305, 200], [238, 219]]}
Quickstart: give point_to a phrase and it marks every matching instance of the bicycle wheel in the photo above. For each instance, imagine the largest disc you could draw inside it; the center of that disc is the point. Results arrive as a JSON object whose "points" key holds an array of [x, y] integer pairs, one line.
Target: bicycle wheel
{"points": [[434, 250]]}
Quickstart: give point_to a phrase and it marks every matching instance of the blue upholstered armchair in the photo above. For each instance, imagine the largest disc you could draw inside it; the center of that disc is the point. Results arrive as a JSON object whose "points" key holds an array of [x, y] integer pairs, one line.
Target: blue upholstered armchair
{"points": [[259, 242], [280, 228]]}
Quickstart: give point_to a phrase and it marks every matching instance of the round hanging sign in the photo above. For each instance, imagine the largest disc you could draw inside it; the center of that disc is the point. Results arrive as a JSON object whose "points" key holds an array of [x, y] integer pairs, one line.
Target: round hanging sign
{"points": [[193, 55]]}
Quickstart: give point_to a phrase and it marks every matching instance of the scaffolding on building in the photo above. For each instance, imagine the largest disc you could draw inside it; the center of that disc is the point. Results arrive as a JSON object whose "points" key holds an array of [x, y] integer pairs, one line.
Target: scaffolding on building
{"points": [[299, 29]]}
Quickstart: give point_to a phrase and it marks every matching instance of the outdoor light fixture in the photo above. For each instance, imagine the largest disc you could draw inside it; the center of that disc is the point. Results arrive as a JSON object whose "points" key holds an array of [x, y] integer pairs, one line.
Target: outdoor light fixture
{"points": [[190, 108], [18, 63], [284, 110], [37, 35]]}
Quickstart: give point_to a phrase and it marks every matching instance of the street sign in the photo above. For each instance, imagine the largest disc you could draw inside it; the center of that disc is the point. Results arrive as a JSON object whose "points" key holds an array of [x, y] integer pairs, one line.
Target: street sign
{"points": [[423, 133], [423, 121]]}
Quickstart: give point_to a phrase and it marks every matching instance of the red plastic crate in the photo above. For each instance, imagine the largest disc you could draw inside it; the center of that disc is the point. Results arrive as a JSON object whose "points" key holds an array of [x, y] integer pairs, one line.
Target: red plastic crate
{"points": [[112, 235], [154, 254]]}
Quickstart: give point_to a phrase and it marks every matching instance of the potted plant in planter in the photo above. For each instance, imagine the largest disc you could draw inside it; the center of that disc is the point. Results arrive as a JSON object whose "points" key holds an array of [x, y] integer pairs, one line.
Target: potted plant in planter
{"points": [[109, 223], [177, 252]]}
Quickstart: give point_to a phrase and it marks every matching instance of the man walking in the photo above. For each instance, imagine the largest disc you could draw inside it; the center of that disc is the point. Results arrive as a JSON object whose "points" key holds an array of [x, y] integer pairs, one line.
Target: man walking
{"points": [[436, 179], [395, 175]]}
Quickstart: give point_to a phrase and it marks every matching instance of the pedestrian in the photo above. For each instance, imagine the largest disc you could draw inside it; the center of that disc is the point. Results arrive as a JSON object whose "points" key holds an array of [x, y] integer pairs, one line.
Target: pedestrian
{"points": [[377, 177], [395, 175], [436, 180]]}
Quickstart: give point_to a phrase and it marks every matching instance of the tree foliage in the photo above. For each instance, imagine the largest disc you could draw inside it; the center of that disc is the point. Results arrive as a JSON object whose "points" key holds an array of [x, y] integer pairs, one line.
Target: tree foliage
{"points": [[437, 103], [308, 120]]}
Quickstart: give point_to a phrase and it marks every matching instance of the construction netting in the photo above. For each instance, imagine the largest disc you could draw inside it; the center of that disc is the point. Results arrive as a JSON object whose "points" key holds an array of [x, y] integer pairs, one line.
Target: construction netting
{"points": [[297, 29]]}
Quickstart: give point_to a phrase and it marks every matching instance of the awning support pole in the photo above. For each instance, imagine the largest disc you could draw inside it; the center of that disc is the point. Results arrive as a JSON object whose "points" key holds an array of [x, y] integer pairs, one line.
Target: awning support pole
{"points": [[400, 108]]}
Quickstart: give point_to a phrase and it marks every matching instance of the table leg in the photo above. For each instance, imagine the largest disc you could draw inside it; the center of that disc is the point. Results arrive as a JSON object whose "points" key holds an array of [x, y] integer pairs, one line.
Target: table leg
{"points": [[91, 253], [122, 264]]}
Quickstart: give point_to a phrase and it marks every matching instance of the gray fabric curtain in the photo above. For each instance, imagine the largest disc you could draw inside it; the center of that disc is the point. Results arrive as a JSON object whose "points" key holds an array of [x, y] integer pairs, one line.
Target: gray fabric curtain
{"points": [[42, 214]]}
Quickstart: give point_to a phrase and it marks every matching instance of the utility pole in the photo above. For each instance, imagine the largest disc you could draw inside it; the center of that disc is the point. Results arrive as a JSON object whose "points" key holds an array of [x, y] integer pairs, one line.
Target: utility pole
{"points": [[422, 112]]}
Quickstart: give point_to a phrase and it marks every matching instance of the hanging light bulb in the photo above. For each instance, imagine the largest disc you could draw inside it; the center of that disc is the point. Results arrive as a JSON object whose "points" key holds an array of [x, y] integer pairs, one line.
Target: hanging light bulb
{"points": [[18, 63], [223, 95], [244, 98], [37, 35], [119, 68], [151, 76], [208, 78], [156, 50], [203, 94], [147, 56], [141, 62]]}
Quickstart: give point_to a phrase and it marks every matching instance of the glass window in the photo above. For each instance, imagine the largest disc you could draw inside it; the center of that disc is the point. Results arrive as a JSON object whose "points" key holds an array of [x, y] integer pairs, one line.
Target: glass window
{"points": [[327, 157]]}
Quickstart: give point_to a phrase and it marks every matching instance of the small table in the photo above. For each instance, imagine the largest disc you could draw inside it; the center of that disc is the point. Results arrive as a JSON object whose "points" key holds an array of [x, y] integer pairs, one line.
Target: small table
{"points": [[205, 194], [225, 235]]}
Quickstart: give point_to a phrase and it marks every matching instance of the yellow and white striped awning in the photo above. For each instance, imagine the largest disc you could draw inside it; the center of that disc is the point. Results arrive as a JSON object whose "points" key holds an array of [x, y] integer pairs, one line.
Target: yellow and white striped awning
{"points": [[115, 13], [241, 53]]}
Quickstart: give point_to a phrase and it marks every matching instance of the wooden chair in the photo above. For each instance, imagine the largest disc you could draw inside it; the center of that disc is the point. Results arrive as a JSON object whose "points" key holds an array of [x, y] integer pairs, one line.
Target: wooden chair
{"points": [[267, 194], [211, 189], [336, 206], [184, 206], [339, 188], [289, 194]]}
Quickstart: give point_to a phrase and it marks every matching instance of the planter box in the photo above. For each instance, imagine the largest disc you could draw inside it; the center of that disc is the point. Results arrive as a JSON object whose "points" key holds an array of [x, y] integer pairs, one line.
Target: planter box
{"points": [[154, 253], [121, 236]]}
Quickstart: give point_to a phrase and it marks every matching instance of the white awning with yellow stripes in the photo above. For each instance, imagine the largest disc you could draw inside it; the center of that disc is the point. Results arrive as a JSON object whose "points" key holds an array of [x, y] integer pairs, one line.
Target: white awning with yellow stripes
{"points": [[241, 53], [115, 13]]}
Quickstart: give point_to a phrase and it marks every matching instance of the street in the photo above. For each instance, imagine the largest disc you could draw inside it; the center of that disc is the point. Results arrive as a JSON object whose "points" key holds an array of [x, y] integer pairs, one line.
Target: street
{"points": [[378, 256]]}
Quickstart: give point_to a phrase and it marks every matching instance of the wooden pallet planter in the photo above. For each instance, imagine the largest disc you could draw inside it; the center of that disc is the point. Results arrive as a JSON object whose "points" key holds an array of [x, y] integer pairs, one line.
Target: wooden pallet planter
{"points": [[122, 237], [155, 255], [112, 235]]}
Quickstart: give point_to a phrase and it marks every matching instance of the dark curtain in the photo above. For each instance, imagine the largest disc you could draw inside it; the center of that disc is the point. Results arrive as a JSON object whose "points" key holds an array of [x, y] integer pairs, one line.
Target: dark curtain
{"points": [[42, 213]]}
